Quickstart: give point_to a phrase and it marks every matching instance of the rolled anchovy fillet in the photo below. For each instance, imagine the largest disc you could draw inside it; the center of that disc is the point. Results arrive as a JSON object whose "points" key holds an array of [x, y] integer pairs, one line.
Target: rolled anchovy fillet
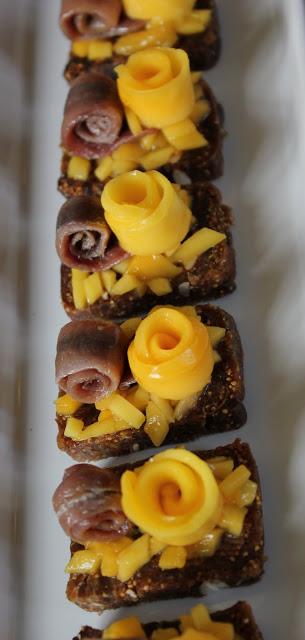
{"points": [[85, 19], [83, 238], [90, 359], [88, 505]]}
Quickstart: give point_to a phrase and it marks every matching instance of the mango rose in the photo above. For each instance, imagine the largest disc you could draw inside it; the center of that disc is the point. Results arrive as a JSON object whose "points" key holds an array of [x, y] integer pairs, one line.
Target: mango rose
{"points": [[174, 497], [145, 213], [161, 9], [156, 85], [171, 354]]}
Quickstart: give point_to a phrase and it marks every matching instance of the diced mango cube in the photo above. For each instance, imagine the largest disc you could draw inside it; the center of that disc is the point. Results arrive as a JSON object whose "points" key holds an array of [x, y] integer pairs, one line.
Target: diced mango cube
{"points": [[160, 286], [74, 428], [66, 406], [156, 35], [83, 562], [196, 76], [185, 405], [125, 410], [78, 288], [221, 630], [109, 566], [148, 142], [123, 166], [200, 617], [208, 545], [127, 283], [232, 519], [104, 427], [121, 267], [80, 48], [139, 398], [221, 467], [216, 356], [104, 415], [184, 135], [133, 122], [200, 242], [156, 546], [78, 168], [149, 267], [234, 481], [130, 326], [155, 159], [104, 168], [198, 90], [99, 50], [125, 628], [201, 110], [216, 334], [133, 558], [164, 406], [130, 151], [173, 558], [156, 426], [164, 634], [93, 288], [195, 23], [101, 549], [109, 279], [186, 622], [245, 495]]}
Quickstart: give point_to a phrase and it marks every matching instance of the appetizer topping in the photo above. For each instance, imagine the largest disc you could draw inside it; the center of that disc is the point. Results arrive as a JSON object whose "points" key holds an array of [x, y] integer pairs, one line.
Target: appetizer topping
{"points": [[90, 359], [140, 209], [154, 81], [163, 11], [182, 506], [83, 238], [94, 18], [88, 505], [171, 354]]}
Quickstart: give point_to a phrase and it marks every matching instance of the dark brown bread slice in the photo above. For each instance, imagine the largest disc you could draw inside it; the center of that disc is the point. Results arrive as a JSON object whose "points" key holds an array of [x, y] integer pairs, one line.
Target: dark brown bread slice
{"points": [[203, 164], [240, 616], [219, 408], [203, 49], [212, 276], [237, 561]]}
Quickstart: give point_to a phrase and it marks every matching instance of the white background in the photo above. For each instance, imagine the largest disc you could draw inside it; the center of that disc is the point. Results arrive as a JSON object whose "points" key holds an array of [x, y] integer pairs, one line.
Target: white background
{"points": [[261, 82]]}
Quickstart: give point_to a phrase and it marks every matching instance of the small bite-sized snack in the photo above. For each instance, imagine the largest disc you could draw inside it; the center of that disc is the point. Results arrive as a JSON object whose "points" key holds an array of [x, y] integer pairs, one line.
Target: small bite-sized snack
{"points": [[168, 527], [155, 115], [149, 241], [103, 30], [235, 623], [170, 377]]}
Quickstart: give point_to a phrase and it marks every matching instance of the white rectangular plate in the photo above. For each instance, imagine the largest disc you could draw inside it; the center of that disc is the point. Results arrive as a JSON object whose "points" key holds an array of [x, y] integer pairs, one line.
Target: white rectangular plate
{"points": [[261, 83]]}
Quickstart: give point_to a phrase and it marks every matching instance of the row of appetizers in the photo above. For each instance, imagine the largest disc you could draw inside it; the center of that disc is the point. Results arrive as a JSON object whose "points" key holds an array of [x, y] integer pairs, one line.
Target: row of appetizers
{"points": [[143, 232]]}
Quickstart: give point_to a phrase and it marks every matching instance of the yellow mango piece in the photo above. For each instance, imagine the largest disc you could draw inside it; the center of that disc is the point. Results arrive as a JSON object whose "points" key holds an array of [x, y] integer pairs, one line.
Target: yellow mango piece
{"points": [[122, 166], [186, 622], [200, 111], [130, 151], [109, 279], [139, 398], [125, 410], [93, 288], [200, 617], [99, 50], [185, 405], [125, 284], [159, 35], [66, 406], [234, 481], [164, 406], [126, 628], [133, 122], [232, 519], [221, 467], [156, 546], [74, 428], [104, 427], [122, 267], [104, 168], [155, 159], [150, 267], [245, 495], [104, 415], [184, 135], [196, 76], [217, 357], [80, 48], [216, 334], [196, 22], [156, 426], [109, 566], [208, 545], [173, 558], [83, 562], [164, 634], [221, 630], [200, 242], [130, 560], [78, 288], [160, 286], [130, 326], [101, 549], [148, 142], [78, 168]]}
